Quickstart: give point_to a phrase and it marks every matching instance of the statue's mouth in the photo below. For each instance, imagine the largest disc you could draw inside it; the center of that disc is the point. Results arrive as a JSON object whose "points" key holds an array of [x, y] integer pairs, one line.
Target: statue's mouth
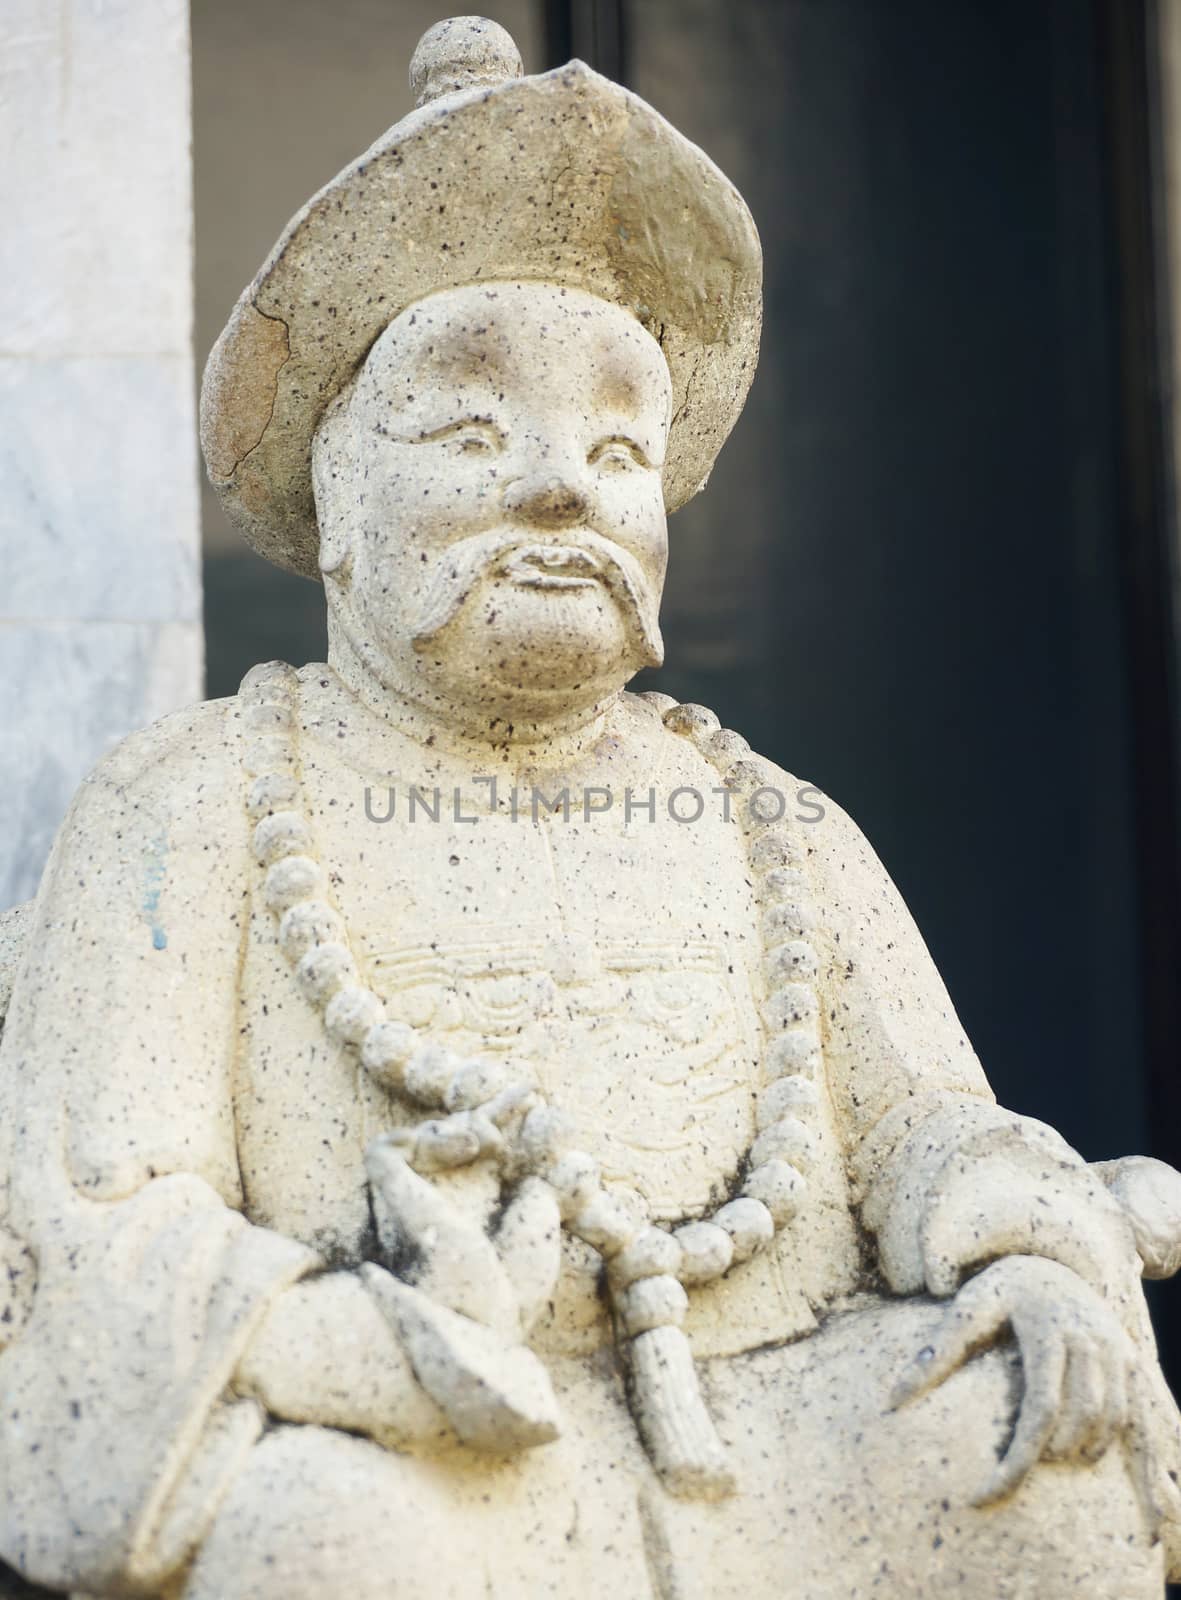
{"points": [[595, 562], [552, 566]]}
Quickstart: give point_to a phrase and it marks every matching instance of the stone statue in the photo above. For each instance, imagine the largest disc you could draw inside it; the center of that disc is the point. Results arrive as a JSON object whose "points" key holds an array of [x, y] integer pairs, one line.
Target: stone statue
{"points": [[472, 1131]]}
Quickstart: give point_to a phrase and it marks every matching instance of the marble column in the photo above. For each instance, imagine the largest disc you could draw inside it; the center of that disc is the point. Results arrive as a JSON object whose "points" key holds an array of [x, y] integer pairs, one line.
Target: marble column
{"points": [[100, 599]]}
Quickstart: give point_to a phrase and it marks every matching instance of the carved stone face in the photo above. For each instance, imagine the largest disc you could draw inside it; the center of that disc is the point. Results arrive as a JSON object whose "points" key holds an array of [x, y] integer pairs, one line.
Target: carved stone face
{"points": [[490, 501]]}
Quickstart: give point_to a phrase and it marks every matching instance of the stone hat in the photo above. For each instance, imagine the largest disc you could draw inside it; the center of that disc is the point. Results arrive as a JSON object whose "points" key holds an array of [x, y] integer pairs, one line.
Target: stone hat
{"points": [[565, 178]]}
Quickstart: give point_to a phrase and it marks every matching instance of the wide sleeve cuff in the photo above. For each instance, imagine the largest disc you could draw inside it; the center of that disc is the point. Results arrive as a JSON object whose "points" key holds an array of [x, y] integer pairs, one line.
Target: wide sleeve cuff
{"points": [[117, 1434], [959, 1182]]}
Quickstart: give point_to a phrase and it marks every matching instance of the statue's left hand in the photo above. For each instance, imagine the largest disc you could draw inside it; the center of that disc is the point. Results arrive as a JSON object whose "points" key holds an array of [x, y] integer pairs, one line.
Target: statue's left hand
{"points": [[1078, 1363]]}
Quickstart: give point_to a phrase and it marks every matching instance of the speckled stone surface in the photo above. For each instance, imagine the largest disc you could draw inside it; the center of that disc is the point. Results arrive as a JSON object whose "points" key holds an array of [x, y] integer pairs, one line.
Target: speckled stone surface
{"points": [[473, 1131], [12, 944]]}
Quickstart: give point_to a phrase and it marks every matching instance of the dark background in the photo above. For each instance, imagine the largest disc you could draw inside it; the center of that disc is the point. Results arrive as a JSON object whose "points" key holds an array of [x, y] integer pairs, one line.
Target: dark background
{"points": [[931, 571]]}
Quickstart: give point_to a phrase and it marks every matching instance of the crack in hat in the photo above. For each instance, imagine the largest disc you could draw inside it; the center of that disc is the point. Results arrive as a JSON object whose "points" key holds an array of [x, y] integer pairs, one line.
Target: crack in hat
{"points": [[563, 177]]}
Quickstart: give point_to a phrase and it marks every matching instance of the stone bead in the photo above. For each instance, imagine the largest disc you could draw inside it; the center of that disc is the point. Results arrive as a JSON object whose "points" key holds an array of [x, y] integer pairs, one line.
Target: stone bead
{"points": [[606, 1224], [652, 1303], [269, 717], [785, 919], [726, 747], [351, 1013], [271, 792], [429, 1073], [795, 1052], [574, 1178], [780, 1099], [283, 833], [765, 807], [325, 969], [789, 1139], [270, 679], [661, 702], [707, 1251], [752, 773], [474, 1083], [779, 1187], [653, 1253], [386, 1049], [698, 722], [290, 880], [785, 883], [792, 1003], [749, 1224], [776, 848], [266, 752], [308, 923], [794, 959]]}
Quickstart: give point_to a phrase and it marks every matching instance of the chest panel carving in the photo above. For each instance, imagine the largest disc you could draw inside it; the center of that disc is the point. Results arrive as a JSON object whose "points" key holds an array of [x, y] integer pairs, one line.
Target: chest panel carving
{"points": [[646, 1044]]}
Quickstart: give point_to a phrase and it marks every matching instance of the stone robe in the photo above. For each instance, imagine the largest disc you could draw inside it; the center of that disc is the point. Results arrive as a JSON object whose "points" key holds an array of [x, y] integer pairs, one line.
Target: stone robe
{"points": [[183, 1142]]}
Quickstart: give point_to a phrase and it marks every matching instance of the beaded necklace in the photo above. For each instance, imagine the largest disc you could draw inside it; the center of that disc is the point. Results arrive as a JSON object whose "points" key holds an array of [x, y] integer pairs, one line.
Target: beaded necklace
{"points": [[649, 1268]]}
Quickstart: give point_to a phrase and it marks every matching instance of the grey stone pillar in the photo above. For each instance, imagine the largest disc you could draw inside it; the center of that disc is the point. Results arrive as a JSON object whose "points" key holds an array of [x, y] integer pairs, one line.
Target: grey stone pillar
{"points": [[100, 600]]}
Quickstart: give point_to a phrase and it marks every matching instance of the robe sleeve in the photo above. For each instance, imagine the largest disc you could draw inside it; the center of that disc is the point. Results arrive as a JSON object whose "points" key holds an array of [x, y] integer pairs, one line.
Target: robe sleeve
{"points": [[946, 1179], [892, 1037], [119, 1429]]}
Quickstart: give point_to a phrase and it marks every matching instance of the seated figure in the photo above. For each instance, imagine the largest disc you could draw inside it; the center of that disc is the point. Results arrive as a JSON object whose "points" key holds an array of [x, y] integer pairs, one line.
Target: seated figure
{"points": [[472, 1131]]}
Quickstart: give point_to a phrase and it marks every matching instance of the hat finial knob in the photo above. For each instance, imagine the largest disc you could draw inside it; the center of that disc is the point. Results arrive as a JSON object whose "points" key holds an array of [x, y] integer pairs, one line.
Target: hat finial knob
{"points": [[462, 53]]}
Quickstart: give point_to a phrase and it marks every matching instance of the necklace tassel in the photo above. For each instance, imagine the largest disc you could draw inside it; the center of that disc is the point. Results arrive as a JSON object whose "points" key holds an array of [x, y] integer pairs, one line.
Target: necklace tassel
{"points": [[677, 1430]]}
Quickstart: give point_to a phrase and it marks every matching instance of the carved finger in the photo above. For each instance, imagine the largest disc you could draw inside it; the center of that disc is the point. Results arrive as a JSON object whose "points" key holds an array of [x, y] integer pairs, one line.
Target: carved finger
{"points": [[1148, 1401], [529, 1242], [1043, 1363], [456, 1141], [517, 1100], [1082, 1427], [489, 1135], [1115, 1358], [973, 1321]]}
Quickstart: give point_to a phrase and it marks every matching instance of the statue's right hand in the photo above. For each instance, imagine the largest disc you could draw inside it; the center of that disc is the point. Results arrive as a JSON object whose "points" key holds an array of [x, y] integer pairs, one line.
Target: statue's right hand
{"points": [[501, 1280], [326, 1354], [467, 1298]]}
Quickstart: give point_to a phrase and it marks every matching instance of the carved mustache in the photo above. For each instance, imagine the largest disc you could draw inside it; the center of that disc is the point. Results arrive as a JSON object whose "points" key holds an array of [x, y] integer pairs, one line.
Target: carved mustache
{"points": [[569, 564]]}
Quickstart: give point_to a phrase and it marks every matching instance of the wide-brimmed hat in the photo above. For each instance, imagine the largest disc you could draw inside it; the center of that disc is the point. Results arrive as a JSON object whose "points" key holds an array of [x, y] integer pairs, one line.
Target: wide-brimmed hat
{"points": [[564, 178]]}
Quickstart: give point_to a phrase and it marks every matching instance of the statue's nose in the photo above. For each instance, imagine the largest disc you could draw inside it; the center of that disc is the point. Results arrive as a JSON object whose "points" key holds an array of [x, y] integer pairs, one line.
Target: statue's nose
{"points": [[551, 502]]}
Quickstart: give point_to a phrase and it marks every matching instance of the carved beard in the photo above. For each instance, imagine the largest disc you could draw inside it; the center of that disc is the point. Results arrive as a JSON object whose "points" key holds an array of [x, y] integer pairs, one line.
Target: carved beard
{"points": [[465, 565]]}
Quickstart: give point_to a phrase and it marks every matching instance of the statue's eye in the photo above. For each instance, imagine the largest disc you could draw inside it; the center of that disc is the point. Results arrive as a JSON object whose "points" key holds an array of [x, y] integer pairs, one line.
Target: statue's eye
{"points": [[471, 436], [471, 442], [617, 454]]}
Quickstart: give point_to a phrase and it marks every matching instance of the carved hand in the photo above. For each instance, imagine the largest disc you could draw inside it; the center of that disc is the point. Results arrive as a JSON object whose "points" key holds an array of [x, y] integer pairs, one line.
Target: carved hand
{"points": [[326, 1354], [1080, 1367], [469, 1299]]}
